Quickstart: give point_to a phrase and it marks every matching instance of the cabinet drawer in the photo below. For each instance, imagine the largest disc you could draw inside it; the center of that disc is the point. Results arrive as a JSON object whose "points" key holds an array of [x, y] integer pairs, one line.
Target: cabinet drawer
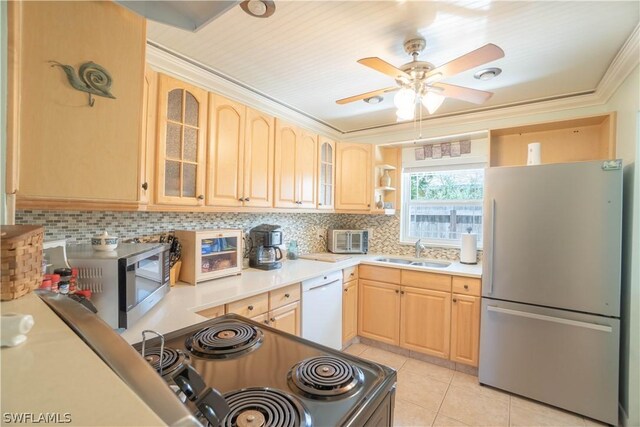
{"points": [[419, 279], [284, 296], [379, 274], [250, 307], [466, 286], [212, 312], [350, 273]]}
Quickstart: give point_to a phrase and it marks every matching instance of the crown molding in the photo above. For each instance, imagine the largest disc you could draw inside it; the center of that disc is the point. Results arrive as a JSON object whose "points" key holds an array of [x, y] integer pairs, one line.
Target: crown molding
{"points": [[622, 65], [170, 62], [167, 61]]}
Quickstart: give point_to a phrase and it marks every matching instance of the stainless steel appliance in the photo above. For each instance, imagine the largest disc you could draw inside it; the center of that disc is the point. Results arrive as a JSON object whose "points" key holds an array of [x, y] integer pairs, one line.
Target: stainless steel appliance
{"points": [[322, 309], [550, 326], [348, 241], [270, 378], [126, 282], [265, 253]]}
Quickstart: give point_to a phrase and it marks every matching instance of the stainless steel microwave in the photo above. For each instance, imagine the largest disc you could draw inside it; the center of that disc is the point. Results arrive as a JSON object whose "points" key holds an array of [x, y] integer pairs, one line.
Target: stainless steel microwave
{"points": [[348, 241], [126, 282]]}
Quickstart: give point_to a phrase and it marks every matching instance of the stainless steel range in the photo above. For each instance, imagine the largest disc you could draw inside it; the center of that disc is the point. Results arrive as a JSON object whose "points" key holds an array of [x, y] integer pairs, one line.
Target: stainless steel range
{"points": [[269, 378]]}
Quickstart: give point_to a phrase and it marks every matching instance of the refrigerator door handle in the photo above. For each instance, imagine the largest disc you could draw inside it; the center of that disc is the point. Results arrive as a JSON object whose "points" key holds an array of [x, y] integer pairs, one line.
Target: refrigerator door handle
{"points": [[491, 250], [542, 317]]}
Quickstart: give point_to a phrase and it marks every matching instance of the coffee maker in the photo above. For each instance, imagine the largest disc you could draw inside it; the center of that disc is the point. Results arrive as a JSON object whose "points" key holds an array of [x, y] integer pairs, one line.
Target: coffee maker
{"points": [[265, 253]]}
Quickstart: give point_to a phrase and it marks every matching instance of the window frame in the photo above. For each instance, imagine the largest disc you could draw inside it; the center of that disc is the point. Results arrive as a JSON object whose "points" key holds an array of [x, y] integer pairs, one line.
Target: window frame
{"points": [[405, 216]]}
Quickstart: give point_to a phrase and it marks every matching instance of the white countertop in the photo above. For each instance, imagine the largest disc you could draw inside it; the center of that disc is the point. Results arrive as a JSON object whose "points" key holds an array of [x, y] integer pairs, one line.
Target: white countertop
{"points": [[178, 308], [55, 372]]}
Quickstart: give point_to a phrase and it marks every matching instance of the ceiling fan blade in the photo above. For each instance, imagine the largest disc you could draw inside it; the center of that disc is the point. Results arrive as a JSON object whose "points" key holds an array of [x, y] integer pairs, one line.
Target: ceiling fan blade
{"points": [[464, 93], [487, 53], [383, 67], [366, 95]]}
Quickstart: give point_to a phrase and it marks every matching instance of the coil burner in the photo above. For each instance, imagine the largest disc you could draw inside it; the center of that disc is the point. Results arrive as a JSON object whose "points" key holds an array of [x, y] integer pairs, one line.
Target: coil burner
{"points": [[326, 376], [224, 340], [166, 363], [264, 407]]}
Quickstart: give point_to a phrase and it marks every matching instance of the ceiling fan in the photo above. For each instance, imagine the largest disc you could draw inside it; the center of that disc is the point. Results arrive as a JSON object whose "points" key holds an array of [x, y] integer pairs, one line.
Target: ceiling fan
{"points": [[420, 80]]}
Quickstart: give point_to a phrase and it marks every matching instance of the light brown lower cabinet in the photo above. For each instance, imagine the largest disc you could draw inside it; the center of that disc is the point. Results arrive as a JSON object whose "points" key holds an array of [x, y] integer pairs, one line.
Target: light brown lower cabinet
{"points": [[465, 329], [349, 310], [424, 321], [425, 317], [379, 311], [279, 309], [212, 312], [286, 319]]}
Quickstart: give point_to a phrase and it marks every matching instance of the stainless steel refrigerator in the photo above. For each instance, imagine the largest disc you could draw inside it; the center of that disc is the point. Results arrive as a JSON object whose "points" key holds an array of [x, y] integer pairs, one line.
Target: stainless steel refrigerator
{"points": [[550, 326]]}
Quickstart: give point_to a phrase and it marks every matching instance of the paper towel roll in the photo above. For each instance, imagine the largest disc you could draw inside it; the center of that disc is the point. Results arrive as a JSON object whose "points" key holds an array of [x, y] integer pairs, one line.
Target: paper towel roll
{"points": [[14, 327], [468, 248], [533, 153]]}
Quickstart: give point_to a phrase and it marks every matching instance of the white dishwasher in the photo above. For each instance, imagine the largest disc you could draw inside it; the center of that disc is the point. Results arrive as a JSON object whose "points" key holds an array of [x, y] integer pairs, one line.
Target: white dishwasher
{"points": [[322, 309]]}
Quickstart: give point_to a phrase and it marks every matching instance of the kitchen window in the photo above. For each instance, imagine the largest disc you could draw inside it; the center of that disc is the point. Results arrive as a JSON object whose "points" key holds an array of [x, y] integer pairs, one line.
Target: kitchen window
{"points": [[440, 205]]}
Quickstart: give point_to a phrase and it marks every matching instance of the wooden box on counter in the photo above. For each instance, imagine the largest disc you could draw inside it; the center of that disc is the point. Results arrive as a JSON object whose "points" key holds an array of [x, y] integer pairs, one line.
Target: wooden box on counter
{"points": [[210, 254]]}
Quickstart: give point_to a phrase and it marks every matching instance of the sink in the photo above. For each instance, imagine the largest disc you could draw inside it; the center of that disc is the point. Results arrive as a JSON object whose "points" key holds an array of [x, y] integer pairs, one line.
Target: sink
{"points": [[431, 264], [395, 260]]}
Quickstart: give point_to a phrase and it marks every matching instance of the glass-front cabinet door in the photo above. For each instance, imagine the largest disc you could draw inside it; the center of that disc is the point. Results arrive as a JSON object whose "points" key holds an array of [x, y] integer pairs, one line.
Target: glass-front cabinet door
{"points": [[326, 172], [218, 253], [182, 113]]}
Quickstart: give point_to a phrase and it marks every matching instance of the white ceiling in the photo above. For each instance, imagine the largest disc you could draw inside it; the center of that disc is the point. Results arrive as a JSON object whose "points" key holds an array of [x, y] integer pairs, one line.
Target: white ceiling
{"points": [[304, 56]]}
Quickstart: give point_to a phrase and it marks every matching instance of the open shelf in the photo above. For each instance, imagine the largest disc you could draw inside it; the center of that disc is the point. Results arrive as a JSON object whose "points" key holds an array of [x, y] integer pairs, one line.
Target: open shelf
{"points": [[228, 251], [387, 167]]}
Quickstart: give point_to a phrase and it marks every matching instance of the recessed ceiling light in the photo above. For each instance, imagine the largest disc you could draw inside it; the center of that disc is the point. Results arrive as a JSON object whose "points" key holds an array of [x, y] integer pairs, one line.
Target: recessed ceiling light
{"points": [[258, 8], [487, 73], [373, 100]]}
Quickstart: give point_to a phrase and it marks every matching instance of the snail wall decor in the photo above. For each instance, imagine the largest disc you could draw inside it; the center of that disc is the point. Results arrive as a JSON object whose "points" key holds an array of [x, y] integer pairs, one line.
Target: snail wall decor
{"points": [[91, 78]]}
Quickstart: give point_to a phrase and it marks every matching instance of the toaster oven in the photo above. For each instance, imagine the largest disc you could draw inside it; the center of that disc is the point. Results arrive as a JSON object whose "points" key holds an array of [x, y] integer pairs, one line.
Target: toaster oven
{"points": [[348, 241]]}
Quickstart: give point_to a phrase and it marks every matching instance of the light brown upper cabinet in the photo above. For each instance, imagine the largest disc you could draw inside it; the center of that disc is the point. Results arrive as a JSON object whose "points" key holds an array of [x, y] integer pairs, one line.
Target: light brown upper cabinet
{"points": [[182, 121], [62, 153], [149, 103], [295, 167], [225, 152], [353, 176], [326, 173], [240, 155]]}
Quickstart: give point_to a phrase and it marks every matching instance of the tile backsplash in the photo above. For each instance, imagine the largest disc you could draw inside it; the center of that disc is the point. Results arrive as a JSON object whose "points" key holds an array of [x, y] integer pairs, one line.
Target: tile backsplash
{"points": [[309, 229]]}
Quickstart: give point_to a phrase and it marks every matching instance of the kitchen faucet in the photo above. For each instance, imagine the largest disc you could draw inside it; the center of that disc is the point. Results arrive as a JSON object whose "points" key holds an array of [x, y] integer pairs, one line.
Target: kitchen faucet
{"points": [[419, 248]]}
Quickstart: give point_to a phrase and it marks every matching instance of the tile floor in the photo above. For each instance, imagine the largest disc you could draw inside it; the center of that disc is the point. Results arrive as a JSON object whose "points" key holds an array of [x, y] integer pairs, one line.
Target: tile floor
{"points": [[432, 395]]}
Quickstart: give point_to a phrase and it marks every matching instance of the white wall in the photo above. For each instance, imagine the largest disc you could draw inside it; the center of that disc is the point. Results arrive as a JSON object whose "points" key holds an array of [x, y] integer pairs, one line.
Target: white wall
{"points": [[626, 102]]}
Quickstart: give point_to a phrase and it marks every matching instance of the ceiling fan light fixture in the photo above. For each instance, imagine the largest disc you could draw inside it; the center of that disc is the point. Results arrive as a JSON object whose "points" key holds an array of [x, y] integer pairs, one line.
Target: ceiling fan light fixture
{"points": [[405, 99], [405, 114], [487, 73], [432, 101], [433, 78], [259, 8]]}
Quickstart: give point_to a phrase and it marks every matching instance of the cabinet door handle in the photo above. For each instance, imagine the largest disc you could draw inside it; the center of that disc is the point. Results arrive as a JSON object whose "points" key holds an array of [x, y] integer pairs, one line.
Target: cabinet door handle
{"points": [[273, 319], [401, 292], [246, 199], [397, 291], [466, 287], [368, 205], [287, 295], [240, 199], [250, 307], [266, 322], [455, 300], [201, 197], [346, 290], [145, 185], [319, 204]]}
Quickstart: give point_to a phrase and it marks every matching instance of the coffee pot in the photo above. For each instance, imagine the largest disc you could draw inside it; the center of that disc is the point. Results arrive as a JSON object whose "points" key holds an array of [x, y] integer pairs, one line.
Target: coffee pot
{"points": [[268, 254]]}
